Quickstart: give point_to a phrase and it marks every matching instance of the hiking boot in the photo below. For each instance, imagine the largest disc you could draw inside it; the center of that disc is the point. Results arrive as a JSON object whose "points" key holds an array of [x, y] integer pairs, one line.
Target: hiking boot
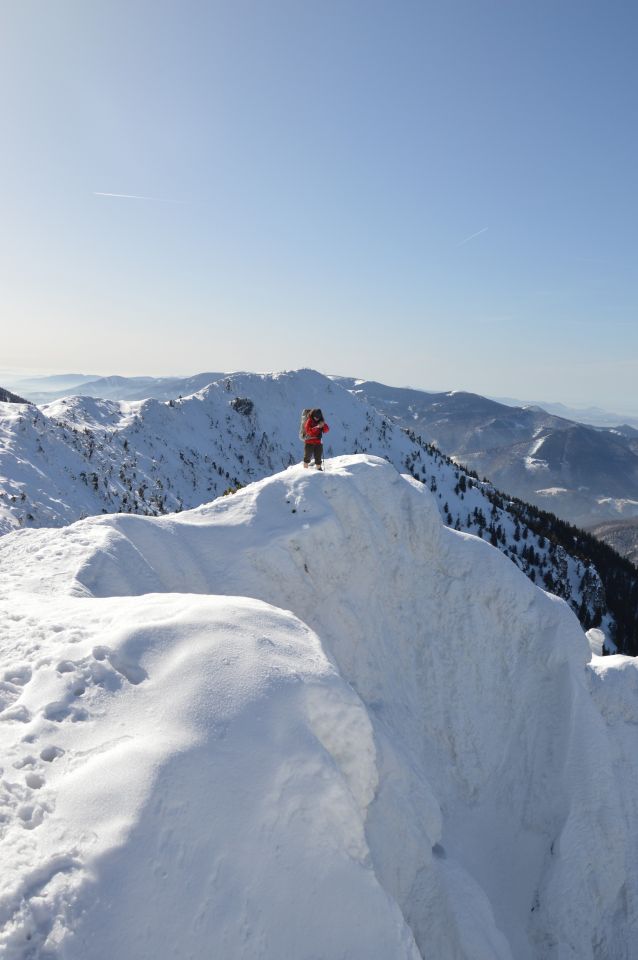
{"points": [[306, 465], [320, 468]]}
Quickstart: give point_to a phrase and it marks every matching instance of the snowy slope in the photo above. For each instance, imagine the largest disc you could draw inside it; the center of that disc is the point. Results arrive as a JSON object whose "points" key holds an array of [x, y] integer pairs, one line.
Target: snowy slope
{"points": [[307, 720], [80, 456]]}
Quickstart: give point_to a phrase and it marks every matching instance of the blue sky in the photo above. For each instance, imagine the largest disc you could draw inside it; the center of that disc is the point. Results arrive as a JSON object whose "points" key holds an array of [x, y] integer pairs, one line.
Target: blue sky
{"points": [[434, 194]]}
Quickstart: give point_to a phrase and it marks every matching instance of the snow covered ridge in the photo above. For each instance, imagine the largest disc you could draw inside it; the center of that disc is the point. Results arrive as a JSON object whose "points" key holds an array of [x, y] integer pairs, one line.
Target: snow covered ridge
{"points": [[80, 456], [307, 720]]}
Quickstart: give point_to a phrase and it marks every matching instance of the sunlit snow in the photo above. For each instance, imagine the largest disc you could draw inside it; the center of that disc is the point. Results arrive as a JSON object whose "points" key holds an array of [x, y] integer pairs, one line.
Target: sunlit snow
{"points": [[306, 720]]}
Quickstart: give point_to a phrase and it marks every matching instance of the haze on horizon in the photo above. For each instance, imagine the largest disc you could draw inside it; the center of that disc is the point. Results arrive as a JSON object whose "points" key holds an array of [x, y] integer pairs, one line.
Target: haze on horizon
{"points": [[439, 195]]}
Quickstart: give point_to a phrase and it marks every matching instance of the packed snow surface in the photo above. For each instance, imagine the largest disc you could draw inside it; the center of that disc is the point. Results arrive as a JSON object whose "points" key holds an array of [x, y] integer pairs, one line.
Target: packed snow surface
{"points": [[306, 721]]}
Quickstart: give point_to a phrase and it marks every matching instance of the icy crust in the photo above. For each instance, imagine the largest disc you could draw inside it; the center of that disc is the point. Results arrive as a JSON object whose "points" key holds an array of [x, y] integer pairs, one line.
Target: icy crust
{"points": [[396, 748]]}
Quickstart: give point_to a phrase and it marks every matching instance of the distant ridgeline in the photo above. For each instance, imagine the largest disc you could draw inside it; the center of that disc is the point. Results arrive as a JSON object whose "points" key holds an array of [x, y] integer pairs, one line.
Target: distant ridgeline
{"points": [[582, 473], [81, 456]]}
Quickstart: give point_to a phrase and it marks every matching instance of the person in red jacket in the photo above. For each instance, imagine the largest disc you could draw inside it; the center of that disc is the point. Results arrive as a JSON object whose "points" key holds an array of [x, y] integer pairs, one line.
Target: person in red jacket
{"points": [[314, 429]]}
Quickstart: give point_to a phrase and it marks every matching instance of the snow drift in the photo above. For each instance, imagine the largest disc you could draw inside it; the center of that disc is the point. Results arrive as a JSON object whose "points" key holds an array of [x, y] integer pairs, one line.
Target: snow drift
{"points": [[306, 720]]}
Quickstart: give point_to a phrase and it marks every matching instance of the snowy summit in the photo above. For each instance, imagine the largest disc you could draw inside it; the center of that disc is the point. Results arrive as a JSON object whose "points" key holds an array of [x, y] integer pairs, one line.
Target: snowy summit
{"points": [[82, 456], [306, 720]]}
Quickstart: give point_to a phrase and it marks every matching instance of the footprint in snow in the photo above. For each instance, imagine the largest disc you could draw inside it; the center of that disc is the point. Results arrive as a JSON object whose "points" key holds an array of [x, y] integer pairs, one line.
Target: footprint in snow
{"points": [[130, 671], [11, 686], [32, 815], [66, 666], [61, 710], [23, 798], [18, 675], [27, 761], [16, 714], [103, 668], [34, 781], [19, 801]]}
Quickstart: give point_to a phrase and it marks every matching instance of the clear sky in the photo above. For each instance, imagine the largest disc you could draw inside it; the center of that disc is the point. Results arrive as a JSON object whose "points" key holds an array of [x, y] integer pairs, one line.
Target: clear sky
{"points": [[435, 194]]}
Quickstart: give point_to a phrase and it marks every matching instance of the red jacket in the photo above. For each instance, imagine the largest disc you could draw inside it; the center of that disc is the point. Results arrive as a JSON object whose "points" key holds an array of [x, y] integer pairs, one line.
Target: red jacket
{"points": [[313, 431]]}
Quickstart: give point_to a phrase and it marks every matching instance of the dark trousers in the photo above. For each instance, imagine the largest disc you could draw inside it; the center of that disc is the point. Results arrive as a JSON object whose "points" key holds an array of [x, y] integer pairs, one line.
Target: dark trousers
{"points": [[311, 450]]}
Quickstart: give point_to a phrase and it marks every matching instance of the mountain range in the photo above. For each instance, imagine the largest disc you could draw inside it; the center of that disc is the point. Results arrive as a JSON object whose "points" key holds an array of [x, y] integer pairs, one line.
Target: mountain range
{"points": [[594, 416], [80, 456], [587, 474], [45, 389], [582, 473]]}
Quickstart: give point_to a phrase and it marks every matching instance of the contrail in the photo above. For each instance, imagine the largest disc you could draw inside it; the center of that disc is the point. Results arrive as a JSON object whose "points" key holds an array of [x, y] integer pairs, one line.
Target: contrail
{"points": [[472, 236], [133, 196]]}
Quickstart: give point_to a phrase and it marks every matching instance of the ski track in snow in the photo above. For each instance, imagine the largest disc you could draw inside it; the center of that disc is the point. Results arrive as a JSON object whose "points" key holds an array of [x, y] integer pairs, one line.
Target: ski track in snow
{"points": [[306, 720]]}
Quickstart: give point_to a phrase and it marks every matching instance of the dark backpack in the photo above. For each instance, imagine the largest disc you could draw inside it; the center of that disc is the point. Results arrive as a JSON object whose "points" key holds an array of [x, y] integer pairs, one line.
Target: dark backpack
{"points": [[305, 413]]}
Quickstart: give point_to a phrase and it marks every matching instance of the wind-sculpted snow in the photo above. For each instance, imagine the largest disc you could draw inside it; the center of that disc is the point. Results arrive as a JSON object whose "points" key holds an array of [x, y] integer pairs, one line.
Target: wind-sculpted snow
{"points": [[81, 456], [307, 720]]}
